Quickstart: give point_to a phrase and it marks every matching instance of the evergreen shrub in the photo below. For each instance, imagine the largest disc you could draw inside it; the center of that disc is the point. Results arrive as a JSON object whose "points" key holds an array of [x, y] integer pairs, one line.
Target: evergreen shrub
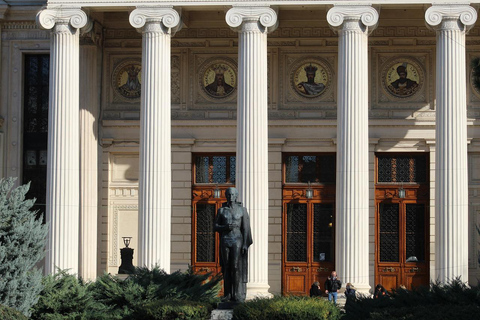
{"points": [[152, 290], [287, 308], [22, 242], [65, 296], [449, 301], [7, 313], [176, 310]]}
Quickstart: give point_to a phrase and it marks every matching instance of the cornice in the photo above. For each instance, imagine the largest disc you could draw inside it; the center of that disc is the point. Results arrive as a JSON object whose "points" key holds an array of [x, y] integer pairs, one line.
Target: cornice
{"points": [[223, 3]]}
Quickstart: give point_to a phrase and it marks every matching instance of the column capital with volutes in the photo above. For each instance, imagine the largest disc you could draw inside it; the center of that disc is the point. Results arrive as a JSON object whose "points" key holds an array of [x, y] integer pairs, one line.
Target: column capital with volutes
{"points": [[353, 17], [451, 17], [165, 17], [252, 18], [74, 17]]}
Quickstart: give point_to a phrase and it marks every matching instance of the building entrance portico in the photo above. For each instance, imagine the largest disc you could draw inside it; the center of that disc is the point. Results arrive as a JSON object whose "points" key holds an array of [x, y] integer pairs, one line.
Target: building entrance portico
{"points": [[285, 96]]}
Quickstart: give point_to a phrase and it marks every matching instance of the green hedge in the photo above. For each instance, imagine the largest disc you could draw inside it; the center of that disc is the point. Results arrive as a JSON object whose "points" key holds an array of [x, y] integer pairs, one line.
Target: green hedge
{"points": [[451, 301], [287, 308], [146, 294], [7, 313], [175, 310]]}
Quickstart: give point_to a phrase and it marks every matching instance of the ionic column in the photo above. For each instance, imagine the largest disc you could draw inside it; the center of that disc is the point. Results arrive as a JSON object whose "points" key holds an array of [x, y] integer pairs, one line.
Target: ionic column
{"points": [[451, 23], [252, 23], [155, 135], [89, 107], [353, 24], [62, 209]]}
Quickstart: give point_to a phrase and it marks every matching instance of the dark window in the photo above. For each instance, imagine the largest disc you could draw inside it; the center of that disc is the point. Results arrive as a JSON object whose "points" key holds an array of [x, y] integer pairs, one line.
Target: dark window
{"points": [[217, 169], [323, 241], [35, 127], [402, 168], [205, 235], [310, 168], [415, 232], [296, 232], [389, 232]]}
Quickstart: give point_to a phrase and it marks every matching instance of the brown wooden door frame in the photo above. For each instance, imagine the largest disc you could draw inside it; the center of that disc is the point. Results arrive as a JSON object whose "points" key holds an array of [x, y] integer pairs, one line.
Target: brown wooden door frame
{"points": [[303, 274], [399, 272]]}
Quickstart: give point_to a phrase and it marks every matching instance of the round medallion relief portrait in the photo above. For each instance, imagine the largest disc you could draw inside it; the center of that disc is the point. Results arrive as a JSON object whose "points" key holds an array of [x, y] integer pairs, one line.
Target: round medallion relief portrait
{"points": [[127, 78], [311, 78], [475, 76], [402, 78], [219, 79]]}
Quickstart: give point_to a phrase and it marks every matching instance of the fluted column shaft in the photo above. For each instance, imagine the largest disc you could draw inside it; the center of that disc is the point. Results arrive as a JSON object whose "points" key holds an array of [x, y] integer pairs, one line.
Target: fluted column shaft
{"points": [[62, 207], [155, 136], [351, 237], [252, 134], [88, 162], [451, 177]]}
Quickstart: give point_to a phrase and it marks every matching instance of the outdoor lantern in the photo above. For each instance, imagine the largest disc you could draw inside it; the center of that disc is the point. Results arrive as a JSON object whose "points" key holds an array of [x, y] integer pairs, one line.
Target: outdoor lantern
{"points": [[309, 191], [126, 241], [401, 192], [217, 193]]}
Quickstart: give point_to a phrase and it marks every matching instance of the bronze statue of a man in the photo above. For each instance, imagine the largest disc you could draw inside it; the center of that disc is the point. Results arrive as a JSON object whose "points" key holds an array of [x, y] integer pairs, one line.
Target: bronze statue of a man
{"points": [[233, 224]]}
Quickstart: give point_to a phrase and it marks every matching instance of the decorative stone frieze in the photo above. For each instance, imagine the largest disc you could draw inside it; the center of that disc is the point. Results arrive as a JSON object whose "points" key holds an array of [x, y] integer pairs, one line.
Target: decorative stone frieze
{"points": [[252, 23], [155, 193], [353, 23], [62, 209], [451, 22]]}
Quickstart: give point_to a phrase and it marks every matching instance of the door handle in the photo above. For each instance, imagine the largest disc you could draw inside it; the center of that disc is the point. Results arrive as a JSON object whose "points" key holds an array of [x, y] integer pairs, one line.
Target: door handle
{"points": [[414, 269]]}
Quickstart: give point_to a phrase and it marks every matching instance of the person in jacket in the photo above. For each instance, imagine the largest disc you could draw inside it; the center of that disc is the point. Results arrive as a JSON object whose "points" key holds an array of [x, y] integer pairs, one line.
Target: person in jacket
{"points": [[380, 292], [315, 290], [349, 291], [332, 285]]}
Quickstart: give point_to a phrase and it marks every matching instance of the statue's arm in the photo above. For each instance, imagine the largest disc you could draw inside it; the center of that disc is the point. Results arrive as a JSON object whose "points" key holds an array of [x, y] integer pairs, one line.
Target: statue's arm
{"points": [[219, 227]]}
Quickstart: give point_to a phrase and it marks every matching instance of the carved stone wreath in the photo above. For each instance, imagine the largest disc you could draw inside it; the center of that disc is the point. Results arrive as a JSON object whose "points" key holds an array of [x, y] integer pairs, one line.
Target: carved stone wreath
{"points": [[218, 79], [126, 80], [402, 77], [310, 77]]}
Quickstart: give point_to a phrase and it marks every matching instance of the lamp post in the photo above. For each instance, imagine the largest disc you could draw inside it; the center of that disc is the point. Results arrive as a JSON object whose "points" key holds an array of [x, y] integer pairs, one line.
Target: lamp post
{"points": [[126, 255]]}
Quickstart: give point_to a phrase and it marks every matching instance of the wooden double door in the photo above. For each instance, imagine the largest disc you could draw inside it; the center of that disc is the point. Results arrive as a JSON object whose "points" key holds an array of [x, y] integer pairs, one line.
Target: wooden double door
{"points": [[308, 240], [402, 240]]}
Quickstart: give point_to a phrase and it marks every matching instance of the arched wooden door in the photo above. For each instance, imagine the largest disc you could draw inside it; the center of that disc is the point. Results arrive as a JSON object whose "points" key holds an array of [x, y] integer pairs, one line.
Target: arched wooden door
{"points": [[401, 221], [308, 222]]}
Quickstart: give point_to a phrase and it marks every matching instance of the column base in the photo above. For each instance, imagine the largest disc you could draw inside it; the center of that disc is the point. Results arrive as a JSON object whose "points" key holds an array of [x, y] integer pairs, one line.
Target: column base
{"points": [[363, 288], [258, 290]]}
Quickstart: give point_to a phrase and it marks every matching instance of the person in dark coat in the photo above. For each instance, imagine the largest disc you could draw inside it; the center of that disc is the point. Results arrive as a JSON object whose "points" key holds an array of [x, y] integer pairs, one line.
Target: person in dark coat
{"points": [[315, 290], [380, 292], [350, 291], [332, 285]]}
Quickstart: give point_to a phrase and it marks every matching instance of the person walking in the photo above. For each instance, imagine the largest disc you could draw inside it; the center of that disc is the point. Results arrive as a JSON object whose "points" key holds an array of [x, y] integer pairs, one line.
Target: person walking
{"points": [[332, 285]]}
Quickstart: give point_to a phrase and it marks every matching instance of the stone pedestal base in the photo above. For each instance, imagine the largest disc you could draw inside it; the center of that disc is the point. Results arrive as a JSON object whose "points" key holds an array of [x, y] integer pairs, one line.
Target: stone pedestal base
{"points": [[257, 291], [222, 314]]}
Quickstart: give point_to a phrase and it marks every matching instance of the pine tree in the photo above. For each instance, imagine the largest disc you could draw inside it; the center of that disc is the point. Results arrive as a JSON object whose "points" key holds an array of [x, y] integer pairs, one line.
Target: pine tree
{"points": [[22, 243]]}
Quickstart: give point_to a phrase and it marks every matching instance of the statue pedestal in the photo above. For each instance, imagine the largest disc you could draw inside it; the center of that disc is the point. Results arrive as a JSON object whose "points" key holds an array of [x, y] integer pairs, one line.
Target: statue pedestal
{"points": [[222, 314], [229, 305]]}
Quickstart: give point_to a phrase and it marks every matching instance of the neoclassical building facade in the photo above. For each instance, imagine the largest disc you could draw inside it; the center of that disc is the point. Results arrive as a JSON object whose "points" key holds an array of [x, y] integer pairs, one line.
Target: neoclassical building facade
{"points": [[350, 129]]}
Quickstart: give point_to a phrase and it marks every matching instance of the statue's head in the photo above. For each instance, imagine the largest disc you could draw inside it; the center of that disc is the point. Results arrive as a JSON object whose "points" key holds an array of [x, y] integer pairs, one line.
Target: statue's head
{"points": [[231, 194]]}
